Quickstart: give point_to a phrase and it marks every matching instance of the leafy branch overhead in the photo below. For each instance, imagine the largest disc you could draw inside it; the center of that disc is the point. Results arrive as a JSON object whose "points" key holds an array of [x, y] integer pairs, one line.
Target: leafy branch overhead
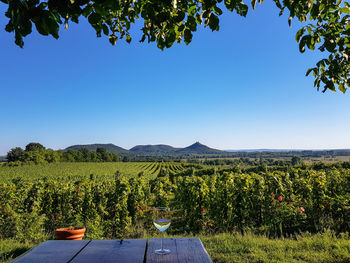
{"points": [[168, 21]]}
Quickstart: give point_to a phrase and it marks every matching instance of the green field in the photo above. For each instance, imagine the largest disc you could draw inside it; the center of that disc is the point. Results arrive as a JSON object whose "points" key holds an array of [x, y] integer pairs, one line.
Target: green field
{"points": [[306, 248], [79, 171]]}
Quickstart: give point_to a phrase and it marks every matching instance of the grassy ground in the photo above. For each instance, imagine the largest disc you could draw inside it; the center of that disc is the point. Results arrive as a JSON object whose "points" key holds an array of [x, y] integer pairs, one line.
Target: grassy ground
{"points": [[10, 249], [235, 248], [320, 248]]}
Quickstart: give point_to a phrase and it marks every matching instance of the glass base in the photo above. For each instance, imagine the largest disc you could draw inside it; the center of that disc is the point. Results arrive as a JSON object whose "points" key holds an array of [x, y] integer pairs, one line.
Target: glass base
{"points": [[162, 251]]}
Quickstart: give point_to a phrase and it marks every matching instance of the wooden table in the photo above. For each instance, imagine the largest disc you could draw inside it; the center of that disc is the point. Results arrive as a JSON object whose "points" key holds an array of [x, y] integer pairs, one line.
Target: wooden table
{"points": [[108, 251]]}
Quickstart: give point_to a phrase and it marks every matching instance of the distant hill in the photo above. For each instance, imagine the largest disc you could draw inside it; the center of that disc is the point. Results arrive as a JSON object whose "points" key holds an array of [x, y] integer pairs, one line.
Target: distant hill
{"points": [[92, 147], [153, 150], [159, 148], [198, 148]]}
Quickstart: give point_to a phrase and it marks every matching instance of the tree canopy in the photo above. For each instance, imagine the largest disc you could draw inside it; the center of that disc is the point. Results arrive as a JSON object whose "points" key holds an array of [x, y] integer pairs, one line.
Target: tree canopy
{"points": [[34, 146], [327, 26], [36, 153]]}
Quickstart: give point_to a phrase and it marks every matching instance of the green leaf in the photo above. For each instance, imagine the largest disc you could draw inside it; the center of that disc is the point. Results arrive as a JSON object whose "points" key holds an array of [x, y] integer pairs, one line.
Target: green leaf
{"points": [[18, 39], [299, 34], [199, 19], [170, 38], [191, 23], [229, 4], [345, 10], [309, 71], [87, 10], [330, 85], [105, 29], [217, 10], [302, 44], [53, 27], [254, 3], [94, 18], [187, 36], [241, 9], [41, 26], [213, 22], [179, 17], [128, 38], [342, 88], [113, 39], [330, 46], [192, 10], [9, 27], [278, 4]]}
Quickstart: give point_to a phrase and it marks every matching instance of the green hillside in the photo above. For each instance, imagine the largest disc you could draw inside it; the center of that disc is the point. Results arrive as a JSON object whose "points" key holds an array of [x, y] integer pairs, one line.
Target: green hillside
{"points": [[92, 147], [198, 148], [159, 148]]}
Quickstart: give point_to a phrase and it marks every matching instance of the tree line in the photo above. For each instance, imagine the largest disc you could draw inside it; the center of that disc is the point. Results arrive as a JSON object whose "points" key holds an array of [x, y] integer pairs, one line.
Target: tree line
{"points": [[36, 153]]}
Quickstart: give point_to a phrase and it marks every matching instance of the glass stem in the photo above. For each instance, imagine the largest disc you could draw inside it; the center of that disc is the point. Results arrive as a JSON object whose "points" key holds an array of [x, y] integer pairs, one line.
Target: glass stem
{"points": [[161, 241]]}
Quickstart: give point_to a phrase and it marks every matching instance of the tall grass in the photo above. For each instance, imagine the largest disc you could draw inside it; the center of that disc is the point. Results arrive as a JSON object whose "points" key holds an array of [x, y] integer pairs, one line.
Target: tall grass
{"points": [[319, 248]]}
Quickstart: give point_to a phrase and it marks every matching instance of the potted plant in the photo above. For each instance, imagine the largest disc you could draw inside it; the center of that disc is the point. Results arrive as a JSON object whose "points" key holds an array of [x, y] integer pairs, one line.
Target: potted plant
{"points": [[70, 233]]}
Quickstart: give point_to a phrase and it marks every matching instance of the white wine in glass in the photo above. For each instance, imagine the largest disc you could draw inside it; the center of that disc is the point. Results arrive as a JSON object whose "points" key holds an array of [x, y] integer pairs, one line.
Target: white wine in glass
{"points": [[162, 222]]}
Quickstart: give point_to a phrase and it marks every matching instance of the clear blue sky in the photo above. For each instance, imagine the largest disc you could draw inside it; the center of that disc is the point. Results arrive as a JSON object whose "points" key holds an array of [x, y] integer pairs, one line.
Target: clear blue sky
{"points": [[243, 87]]}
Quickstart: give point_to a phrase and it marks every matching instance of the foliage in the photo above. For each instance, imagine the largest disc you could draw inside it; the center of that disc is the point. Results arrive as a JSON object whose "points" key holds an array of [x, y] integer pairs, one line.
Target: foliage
{"points": [[15, 154], [170, 21], [296, 160], [34, 146], [276, 203], [84, 155], [35, 153], [330, 30]]}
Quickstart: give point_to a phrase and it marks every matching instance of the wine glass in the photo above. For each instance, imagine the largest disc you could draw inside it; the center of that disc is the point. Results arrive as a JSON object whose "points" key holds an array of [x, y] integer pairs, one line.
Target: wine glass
{"points": [[162, 222]]}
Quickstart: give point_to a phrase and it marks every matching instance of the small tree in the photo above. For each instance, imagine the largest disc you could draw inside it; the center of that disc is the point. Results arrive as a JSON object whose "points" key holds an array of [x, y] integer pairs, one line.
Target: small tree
{"points": [[34, 146], [102, 154], [85, 152], [296, 160], [15, 154]]}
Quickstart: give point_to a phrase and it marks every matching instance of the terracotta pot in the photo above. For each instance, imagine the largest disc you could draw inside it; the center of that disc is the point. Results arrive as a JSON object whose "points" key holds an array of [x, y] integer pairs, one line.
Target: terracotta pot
{"points": [[70, 233]]}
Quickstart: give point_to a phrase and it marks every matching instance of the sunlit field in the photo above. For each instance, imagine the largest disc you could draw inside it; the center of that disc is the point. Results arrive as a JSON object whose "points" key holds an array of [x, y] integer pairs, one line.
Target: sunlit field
{"points": [[79, 171]]}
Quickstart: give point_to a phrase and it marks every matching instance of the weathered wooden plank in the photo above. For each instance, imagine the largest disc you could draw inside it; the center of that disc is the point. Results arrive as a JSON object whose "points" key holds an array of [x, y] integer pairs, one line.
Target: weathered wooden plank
{"points": [[154, 244], [53, 251], [182, 250], [108, 251]]}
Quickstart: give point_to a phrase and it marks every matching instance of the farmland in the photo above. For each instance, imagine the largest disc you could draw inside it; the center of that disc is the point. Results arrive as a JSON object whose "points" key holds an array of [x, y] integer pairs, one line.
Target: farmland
{"points": [[80, 171]]}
